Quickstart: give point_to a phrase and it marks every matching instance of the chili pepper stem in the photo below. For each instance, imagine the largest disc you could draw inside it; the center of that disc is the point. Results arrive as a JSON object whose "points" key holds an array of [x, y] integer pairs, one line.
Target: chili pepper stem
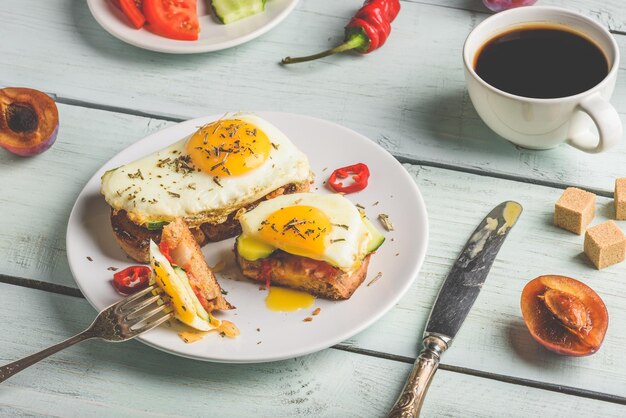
{"points": [[357, 40]]}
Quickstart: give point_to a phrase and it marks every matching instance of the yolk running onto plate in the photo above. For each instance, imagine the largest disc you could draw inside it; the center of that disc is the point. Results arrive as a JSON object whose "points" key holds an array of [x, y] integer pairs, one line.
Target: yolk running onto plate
{"points": [[227, 328], [228, 147], [286, 300], [299, 230]]}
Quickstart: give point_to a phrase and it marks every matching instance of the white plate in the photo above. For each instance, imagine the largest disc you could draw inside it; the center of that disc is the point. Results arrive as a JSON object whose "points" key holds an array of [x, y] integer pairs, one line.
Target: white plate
{"points": [[267, 335], [214, 35]]}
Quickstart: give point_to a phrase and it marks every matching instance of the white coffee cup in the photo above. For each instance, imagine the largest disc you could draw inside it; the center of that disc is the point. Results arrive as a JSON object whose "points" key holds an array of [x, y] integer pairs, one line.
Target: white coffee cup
{"points": [[546, 123]]}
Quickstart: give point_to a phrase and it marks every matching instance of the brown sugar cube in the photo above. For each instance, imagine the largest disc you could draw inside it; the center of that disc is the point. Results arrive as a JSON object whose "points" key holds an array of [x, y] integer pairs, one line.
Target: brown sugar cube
{"points": [[605, 244], [575, 210], [620, 199]]}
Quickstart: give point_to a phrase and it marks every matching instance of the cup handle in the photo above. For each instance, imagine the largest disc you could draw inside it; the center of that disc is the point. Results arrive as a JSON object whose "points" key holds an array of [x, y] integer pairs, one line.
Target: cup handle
{"points": [[606, 120]]}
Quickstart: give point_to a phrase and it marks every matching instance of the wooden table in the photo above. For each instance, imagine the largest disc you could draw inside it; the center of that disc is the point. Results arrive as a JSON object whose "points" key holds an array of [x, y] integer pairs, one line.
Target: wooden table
{"points": [[410, 98]]}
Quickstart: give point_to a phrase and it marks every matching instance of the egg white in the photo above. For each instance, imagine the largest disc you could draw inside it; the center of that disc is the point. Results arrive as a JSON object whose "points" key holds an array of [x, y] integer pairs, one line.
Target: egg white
{"points": [[345, 247], [151, 189]]}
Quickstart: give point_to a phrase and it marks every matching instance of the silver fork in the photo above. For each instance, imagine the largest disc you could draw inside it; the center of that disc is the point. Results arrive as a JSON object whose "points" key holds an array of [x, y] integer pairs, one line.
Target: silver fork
{"points": [[119, 322]]}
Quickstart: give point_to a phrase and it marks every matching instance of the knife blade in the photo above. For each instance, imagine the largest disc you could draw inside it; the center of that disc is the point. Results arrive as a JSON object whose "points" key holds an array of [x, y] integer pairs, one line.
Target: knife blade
{"points": [[454, 301]]}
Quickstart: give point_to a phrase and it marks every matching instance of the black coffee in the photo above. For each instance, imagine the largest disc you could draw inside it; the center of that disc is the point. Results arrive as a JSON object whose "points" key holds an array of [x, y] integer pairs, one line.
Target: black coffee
{"points": [[541, 62]]}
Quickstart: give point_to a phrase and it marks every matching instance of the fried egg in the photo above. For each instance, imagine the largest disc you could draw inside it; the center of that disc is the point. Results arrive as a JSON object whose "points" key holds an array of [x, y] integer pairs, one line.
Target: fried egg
{"points": [[323, 227], [174, 283], [221, 167]]}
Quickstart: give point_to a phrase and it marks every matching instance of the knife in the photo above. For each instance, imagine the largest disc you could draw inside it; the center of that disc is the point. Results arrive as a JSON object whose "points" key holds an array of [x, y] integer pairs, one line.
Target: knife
{"points": [[455, 299]]}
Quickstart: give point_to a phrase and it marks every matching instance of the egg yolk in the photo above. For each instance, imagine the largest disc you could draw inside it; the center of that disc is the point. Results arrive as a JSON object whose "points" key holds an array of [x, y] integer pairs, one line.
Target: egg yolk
{"points": [[299, 230], [228, 148], [166, 283]]}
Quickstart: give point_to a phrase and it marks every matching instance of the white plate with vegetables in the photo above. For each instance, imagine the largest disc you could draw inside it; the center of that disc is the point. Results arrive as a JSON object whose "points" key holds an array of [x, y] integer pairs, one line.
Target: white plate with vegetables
{"points": [[266, 334], [221, 25]]}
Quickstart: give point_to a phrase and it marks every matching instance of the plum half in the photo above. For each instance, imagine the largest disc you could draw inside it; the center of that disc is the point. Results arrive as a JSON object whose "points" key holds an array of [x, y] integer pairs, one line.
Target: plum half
{"points": [[29, 121], [500, 5], [564, 315]]}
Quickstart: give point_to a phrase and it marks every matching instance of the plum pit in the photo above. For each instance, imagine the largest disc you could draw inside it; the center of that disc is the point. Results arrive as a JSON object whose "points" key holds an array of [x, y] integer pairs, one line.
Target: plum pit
{"points": [[568, 310], [21, 118]]}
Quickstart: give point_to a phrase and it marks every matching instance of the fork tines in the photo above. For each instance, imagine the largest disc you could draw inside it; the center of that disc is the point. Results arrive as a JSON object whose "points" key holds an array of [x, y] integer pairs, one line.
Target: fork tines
{"points": [[142, 309], [125, 304], [149, 321]]}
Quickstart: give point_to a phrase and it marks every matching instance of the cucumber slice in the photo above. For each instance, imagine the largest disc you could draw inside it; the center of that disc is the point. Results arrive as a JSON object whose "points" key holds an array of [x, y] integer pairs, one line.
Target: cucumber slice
{"points": [[377, 237], [229, 11], [154, 226], [252, 249], [200, 311]]}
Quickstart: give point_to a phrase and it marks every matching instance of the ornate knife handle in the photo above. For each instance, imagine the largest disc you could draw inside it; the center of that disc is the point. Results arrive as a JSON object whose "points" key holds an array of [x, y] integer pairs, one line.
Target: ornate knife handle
{"points": [[409, 403]]}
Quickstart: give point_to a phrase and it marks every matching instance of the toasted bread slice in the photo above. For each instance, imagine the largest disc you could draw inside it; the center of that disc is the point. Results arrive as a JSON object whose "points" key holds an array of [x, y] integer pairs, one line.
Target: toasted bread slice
{"points": [[135, 239], [312, 276], [178, 241]]}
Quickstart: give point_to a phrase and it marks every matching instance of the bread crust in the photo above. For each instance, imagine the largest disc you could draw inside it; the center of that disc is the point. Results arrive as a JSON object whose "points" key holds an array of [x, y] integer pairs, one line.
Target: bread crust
{"points": [[312, 276], [135, 239], [185, 252]]}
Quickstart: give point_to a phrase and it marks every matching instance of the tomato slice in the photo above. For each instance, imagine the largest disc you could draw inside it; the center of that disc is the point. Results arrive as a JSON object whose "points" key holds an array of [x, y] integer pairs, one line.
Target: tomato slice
{"points": [[133, 11], [175, 19], [165, 250], [138, 3], [132, 279], [266, 269]]}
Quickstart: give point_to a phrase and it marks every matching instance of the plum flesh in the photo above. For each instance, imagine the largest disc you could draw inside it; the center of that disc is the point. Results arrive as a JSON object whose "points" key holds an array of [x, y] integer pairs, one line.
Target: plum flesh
{"points": [[564, 315], [500, 5], [29, 121]]}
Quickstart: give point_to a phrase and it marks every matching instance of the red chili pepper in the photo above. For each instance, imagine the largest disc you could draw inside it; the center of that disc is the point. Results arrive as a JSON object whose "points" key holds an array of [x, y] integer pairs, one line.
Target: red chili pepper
{"points": [[368, 30], [131, 279], [359, 173]]}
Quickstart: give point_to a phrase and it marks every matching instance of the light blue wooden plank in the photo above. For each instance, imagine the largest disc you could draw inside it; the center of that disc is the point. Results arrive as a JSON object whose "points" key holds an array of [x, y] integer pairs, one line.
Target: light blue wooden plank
{"points": [[132, 380], [609, 12], [409, 96], [37, 194], [494, 336], [35, 215]]}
